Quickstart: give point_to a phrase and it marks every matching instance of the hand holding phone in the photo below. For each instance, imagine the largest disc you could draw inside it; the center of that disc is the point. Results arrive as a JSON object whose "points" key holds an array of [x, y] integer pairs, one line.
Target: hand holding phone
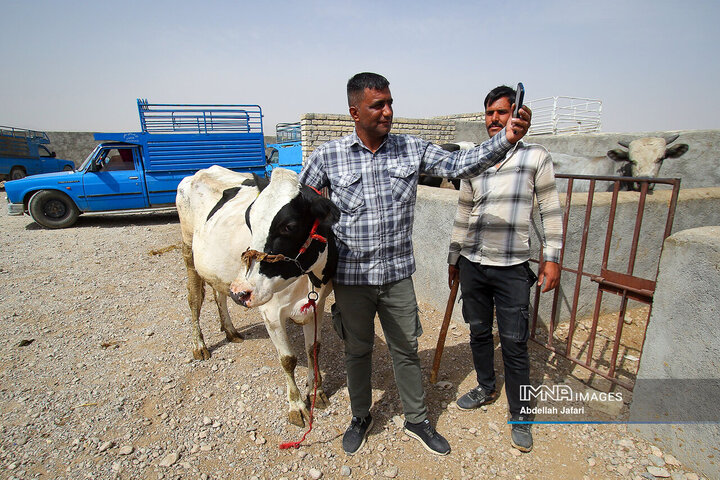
{"points": [[519, 96]]}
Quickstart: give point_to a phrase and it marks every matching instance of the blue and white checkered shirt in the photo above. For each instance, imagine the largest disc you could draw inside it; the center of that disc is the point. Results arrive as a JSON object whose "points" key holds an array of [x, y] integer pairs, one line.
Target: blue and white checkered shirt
{"points": [[376, 193]]}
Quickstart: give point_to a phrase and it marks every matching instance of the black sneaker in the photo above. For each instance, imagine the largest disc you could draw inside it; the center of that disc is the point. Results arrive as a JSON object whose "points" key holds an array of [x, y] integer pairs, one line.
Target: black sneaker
{"points": [[475, 398], [355, 435], [428, 436], [520, 434]]}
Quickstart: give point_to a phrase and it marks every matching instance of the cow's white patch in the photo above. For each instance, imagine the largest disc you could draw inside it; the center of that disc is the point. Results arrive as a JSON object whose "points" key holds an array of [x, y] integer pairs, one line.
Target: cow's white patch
{"points": [[284, 186]]}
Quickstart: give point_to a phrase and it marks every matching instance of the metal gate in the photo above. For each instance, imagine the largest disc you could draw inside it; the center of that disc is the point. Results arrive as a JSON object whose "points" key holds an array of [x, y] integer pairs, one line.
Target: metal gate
{"points": [[615, 274]]}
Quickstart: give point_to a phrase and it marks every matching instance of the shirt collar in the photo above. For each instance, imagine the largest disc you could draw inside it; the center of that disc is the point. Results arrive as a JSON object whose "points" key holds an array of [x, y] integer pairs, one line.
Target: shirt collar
{"points": [[354, 139]]}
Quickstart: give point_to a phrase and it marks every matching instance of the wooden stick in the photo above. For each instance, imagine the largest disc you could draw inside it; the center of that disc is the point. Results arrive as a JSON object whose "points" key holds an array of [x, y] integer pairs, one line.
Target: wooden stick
{"points": [[443, 330]]}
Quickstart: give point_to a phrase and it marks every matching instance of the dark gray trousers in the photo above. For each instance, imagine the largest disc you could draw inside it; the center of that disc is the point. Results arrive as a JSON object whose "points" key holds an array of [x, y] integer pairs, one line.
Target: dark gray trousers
{"points": [[354, 320]]}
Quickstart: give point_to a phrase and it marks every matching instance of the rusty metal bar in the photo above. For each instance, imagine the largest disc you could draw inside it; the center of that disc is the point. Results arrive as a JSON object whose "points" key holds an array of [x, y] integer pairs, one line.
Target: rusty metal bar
{"points": [[581, 264], [638, 226]]}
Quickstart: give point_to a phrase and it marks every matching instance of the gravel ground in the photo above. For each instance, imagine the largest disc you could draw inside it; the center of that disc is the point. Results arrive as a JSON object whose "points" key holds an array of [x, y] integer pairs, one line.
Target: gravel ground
{"points": [[97, 381]]}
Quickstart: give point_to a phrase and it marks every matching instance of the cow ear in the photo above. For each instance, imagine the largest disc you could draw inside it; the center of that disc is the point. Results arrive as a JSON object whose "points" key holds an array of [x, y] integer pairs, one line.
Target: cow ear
{"points": [[261, 182], [324, 210], [618, 155], [676, 151]]}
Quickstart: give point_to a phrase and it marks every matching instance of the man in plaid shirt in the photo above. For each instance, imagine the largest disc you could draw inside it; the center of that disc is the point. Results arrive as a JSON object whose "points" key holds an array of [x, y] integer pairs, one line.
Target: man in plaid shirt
{"points": [[372, 177], [489, 250]]}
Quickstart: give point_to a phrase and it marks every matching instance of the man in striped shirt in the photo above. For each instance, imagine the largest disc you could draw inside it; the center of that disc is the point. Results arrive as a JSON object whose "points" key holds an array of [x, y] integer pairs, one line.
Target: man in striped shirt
{"points": [[489, 252], [372, 176]]}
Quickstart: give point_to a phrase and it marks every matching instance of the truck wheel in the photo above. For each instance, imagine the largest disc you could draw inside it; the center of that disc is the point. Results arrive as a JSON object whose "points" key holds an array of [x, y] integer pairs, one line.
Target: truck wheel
{"points": [[53, 209], [16, 173]]}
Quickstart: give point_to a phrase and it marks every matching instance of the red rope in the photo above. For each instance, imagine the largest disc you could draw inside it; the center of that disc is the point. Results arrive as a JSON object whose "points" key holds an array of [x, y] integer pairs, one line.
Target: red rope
{"points": [[283, 446]]}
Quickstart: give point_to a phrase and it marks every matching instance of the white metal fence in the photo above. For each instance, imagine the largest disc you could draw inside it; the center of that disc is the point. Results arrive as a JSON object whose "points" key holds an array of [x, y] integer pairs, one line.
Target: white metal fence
{"points": [[557, 115]]}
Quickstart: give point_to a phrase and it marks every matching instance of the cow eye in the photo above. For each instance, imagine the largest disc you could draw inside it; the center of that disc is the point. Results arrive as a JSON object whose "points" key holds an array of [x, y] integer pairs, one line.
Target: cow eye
{"points": [[289, 228]]}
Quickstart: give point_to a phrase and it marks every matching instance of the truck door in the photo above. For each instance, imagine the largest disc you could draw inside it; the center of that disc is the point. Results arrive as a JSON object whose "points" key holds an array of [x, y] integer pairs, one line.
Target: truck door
{"points": [[115, 180]]}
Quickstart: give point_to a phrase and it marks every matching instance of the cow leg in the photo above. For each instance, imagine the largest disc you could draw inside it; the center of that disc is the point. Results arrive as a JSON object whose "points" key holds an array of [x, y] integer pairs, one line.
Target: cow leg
{"points": [[226, 324], [297, 411], [321, 400], [196, 294]]}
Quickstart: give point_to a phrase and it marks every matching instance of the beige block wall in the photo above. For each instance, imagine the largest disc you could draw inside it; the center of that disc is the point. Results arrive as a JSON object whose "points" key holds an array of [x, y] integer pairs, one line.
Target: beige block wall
{"points": [[318, 128]]}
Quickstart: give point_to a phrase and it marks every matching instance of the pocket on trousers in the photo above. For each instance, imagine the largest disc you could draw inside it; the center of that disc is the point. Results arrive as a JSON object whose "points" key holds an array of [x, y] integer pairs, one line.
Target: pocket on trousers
{"points": [[515, 325], [337, 321], [532, 278]]}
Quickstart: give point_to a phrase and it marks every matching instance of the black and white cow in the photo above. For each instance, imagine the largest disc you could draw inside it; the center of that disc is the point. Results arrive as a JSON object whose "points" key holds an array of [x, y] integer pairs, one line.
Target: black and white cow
{"points": [[265, 244]]}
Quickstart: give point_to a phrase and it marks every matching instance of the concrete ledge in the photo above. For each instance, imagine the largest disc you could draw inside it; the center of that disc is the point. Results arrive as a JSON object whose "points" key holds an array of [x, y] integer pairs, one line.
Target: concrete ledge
{"points": [[681, 352]]}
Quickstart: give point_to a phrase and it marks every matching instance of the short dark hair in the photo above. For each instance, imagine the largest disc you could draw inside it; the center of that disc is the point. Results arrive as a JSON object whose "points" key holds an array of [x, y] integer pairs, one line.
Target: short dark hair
{"points": [[499, 92], [360, 81]]}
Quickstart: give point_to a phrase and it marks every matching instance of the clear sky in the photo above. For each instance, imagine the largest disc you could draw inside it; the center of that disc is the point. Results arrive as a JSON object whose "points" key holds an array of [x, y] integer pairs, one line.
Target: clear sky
{"points": [[81, 65]]}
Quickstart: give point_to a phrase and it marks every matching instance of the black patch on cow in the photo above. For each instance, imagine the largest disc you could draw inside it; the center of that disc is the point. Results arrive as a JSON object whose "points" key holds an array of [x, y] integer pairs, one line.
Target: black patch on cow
{"points": [[228, 195], [291, 228], [248, 183]]}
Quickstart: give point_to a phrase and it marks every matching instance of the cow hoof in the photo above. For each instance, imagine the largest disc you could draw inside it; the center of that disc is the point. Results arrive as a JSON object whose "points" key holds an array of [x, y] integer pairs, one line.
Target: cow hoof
{"points": [[321, 401], [296, 418], [234, 337], [201, 354]]}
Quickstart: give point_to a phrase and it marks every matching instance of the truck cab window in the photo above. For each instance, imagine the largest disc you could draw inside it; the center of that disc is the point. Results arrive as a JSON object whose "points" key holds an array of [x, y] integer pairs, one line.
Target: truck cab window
{"points": [[118, 159]]}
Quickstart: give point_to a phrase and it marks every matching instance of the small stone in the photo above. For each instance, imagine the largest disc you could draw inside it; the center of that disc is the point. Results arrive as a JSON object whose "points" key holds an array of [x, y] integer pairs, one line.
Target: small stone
{"points": [[345, 471], [658, 472], [115, 467], [105, 446], [398, 421], [206, 421], [391, 472], [126, 450], [170, 459], [480, 450], [444, 385], [205, 447], [315, 474], [656, 451], [657, 461], [166, 379], [260, 440], [493, 427], [591, 461], [515, 452], [691, 476], [670, 460], [626, 442]]}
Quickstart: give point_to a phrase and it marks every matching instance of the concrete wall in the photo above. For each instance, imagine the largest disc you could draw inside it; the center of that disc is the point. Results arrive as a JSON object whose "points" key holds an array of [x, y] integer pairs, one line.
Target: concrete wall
{"points": [[435, 211], [680, 366]]}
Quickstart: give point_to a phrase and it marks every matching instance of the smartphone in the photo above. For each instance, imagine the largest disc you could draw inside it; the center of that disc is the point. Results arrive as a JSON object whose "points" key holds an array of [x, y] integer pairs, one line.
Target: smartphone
{"points": [[519, 96]]}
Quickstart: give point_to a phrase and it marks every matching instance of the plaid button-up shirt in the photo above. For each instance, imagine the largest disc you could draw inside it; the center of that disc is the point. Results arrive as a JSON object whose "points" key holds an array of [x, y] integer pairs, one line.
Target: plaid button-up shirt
{"points": [[376, 193], [492, 222]]}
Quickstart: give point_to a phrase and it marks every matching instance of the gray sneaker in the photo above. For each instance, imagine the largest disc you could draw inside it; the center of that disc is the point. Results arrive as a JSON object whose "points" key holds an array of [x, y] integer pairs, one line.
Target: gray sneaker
{"points": [[520, 434], [428, 436], [475, 398], [355, 435]]}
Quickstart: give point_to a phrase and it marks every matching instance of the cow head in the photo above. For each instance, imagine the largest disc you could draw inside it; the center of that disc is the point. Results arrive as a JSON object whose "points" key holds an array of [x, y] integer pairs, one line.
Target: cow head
{"points": [[645, 156], [288, 222]]}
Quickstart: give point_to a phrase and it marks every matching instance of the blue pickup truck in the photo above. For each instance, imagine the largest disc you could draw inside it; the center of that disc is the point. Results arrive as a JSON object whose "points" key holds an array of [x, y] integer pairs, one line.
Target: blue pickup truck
{"points": [[23, 152], [141, 170], [287, 152]]}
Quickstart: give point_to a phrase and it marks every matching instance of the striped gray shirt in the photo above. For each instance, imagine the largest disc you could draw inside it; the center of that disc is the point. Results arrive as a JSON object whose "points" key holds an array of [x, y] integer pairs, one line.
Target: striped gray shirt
{"points": [[376, 193], [492, 222]]}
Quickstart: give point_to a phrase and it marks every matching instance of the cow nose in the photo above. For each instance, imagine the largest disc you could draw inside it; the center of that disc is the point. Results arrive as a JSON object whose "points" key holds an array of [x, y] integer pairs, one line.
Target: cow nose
{"points": [[241, 298]]}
